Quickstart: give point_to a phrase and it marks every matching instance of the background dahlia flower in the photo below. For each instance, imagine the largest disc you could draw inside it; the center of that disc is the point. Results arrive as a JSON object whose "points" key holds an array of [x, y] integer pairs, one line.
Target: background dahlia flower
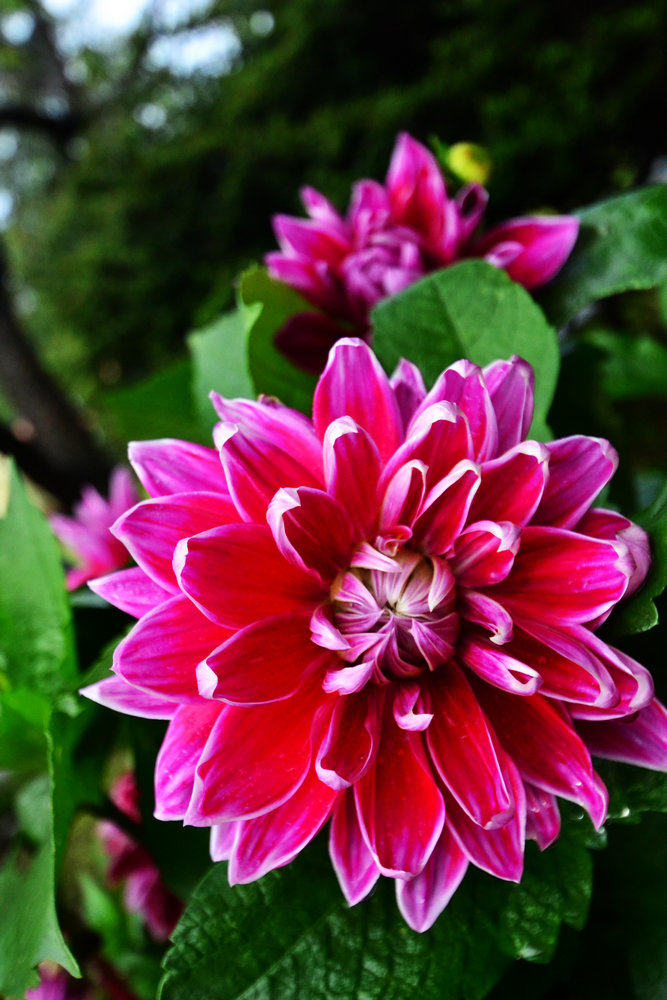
{"points": [[384, 618], [56, 984], [394, 234], [86, 535], [144, 891]]}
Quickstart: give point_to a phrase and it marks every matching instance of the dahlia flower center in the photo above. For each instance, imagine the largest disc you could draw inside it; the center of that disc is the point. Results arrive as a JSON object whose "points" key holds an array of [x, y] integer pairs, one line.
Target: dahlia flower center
{"points": [[397, 619]]}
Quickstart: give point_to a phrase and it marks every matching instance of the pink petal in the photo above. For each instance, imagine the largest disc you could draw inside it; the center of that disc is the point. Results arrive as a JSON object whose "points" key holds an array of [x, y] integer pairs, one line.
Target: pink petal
{"points": [[409, 389], [545, 747], [354, 385], [498, 851], [633, 682], [401, 811], [312, 530], [600, 523], [511, 386], [161, 653], [179, 755], [484, 553], [170, 466], [236, 575], [579, 467], [403, 496], [542, 816], [640, 739], [257, 466], [352, 467], [464, 750], [445, 508], [462, 385], [305, 238], [236, 777], [471, 202], [222, 840], [422, 899], [114, 692], [416, 190], [512, 485], [439, 438], [545, 244], [314, 279], [560, 577], [130, 590], [351, 741], [262, 663], [152, 529], [498, 667], [410, 708], [320, 209], [484, 611], [353, 863], [275, 838]]}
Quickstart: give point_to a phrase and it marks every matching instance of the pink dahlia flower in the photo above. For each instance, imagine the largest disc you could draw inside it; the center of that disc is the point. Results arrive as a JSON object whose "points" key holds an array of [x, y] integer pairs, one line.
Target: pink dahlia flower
{"points": [[145, 892], [384, 618], [394, 234], [86, 534], [56, 984]]}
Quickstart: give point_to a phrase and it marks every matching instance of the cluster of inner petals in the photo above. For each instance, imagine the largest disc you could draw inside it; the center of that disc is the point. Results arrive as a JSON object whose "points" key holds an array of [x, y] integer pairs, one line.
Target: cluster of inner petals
{"points": [[393, 617]]}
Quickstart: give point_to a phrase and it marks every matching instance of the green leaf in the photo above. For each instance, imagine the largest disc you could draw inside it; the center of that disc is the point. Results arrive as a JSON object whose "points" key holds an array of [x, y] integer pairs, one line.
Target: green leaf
{"points": [[36, 648], [161, 406], [292, 936], [24, 717], [632, 790], [622, 245], [470, 310], [640, 613], [220, 361], [633, 367], [267, 304]]}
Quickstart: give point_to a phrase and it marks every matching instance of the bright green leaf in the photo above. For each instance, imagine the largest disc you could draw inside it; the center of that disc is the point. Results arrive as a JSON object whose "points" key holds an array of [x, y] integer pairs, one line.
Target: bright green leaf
{"points": [[471, 310], [266, 305], [622, 245], [161, 406], [220, 361]]}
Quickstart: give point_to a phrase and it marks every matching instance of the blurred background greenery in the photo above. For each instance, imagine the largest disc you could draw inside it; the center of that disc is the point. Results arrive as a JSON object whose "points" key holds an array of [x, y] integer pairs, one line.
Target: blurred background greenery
{"points": [[140, 163]]}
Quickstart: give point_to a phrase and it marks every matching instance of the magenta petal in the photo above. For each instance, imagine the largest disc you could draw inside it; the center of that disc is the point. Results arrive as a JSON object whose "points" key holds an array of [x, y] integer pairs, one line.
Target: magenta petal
{"points": [[484, 611], [484, 553], [262, 663], [354, 385], [130, 590], [314, 279], [400, 837], [170, 466], [257, 466], [312, 530], [560, 577], [305, 238], [353, 863], [498, 851], [511, 385], [161, 653], [114, 692], [179, 755], [579, 467], [236, 575], [600, 523], [512, 485], [153, 528], [409, 389], [542, 816], [463, 748], [416, 189], [545, 242], [546, 749], [641, 739], [275, 838], [462, 385], [633, 682], [403, 497], [445, 508], [320, 209], [498, 667], [222, 840], [351, 741], [422, 899], [347, 449], [439, 438], [236, 778]]}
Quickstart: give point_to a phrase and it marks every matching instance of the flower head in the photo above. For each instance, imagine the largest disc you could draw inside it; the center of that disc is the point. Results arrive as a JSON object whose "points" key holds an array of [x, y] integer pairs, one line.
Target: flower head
{"points": [[56, 984], [144, 892], [384, 618], [392, 235], [86, 534]]}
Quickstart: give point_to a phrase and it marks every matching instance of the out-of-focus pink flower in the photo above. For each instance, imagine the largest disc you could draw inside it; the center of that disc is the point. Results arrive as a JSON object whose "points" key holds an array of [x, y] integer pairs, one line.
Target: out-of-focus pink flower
{"points": [[384, 618], [145, 892], [392, 235], [86, 534], [56, 984]]}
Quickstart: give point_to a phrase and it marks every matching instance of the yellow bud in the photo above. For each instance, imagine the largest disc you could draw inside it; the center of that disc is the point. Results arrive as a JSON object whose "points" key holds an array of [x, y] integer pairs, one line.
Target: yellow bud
{"points": [[469, 162]]}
